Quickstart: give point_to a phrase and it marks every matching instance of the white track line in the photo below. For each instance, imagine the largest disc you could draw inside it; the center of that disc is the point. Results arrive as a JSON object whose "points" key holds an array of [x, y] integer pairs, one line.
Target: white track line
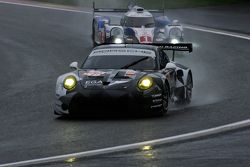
{"points": [[45, 7], [219, 32], [167, 140]]}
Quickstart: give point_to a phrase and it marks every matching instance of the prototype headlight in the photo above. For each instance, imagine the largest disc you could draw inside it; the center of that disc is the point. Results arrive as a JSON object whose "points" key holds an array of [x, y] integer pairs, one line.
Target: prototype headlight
{"points": [[70, 82], [174, 41], [145, 83], [118, 40], [118, 32], [175, 33]]}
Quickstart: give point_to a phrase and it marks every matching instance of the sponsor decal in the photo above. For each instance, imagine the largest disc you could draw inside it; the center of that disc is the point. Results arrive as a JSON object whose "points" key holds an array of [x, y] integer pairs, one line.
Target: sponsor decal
{"points": [[176, 47], [92, 73], [145, 39], [123, 51], [130, 73], [93, 82], [181, 47]]}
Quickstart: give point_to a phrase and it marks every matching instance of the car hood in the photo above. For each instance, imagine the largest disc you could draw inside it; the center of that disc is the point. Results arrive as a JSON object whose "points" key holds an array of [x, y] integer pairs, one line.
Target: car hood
{"points": [[108, 79]]}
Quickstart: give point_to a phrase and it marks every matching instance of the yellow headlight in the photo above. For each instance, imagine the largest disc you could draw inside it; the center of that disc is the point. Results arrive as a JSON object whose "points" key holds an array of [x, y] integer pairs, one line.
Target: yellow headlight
{"points": [[69, 82], [145, 83]]}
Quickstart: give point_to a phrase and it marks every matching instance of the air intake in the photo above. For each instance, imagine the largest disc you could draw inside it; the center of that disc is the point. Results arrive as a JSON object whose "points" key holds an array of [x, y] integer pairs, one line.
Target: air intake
{"points": [[139, 10]]}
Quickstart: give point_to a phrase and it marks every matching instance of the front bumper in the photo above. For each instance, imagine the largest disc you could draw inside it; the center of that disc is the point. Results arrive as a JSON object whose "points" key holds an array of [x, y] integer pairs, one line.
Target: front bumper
{"points": [[90, 101]]}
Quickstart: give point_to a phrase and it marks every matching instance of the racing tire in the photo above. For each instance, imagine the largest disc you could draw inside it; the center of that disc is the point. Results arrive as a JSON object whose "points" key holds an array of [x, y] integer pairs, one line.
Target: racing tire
{"points": [[186, 94], [93, 35], [163, 111]]}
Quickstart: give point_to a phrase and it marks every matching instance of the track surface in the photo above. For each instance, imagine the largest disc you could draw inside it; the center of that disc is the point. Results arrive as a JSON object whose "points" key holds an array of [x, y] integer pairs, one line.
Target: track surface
{"points": [[36, 45], [227, 150]]}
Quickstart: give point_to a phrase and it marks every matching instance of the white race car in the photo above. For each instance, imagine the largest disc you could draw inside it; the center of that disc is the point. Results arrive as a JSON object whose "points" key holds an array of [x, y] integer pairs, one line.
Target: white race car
{"points": [[137, 25]]}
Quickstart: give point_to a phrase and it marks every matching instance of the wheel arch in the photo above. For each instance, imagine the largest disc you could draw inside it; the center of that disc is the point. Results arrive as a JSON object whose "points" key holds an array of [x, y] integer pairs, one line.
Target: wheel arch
{"points": [[167, 87], [190, 73]]}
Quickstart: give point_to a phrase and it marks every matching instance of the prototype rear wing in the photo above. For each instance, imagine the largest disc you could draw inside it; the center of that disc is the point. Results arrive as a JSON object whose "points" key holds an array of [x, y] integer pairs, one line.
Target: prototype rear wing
{"points": [[121, 10]]}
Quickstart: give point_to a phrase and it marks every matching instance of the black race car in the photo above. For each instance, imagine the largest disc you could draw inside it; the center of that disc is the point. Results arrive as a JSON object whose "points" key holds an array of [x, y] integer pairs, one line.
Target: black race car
{"points": [[125, 77]]}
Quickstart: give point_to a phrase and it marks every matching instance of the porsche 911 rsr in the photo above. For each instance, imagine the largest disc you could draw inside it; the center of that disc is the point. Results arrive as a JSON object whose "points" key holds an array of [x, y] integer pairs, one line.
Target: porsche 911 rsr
{"points": [[137, 25], [125, 77]]}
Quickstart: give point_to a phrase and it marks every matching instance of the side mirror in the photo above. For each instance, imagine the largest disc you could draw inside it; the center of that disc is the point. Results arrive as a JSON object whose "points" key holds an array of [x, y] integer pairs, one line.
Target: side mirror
{"points": [[171, 66], [175, 21], [73, 65]]}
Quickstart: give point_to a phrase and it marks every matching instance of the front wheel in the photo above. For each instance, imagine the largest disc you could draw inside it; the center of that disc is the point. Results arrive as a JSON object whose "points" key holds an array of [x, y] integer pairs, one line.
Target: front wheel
{"points": [[164, 109]]}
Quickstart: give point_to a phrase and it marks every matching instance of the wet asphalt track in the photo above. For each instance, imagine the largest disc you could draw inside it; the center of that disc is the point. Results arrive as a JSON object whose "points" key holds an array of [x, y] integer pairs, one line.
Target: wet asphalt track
{"points": [[36, 45]]}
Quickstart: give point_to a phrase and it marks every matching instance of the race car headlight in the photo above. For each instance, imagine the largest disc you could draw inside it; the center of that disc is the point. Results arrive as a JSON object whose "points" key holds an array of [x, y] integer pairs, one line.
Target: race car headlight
{"points": [[69, 82], [174, 41], [118, 40], [145, 83], [117, 32]]}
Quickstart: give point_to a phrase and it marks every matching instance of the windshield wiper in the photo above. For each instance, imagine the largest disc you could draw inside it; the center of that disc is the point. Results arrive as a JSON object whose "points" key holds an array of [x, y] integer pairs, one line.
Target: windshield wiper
{"points": [[134, 63]]}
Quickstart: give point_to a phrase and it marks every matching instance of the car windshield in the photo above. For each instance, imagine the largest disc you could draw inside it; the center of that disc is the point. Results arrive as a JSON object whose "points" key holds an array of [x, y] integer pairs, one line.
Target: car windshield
{"points": [[120, 61], [138, 22]]}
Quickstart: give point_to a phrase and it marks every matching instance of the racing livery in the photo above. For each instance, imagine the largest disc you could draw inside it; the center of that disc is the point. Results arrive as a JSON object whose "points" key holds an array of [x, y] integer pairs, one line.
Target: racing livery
{"points": [[130, 77], [137, 25]]}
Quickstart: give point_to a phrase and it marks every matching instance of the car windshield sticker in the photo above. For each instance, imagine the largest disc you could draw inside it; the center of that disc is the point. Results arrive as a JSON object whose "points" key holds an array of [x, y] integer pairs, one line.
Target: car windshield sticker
{"points": [[123, 51], [92, 73]]}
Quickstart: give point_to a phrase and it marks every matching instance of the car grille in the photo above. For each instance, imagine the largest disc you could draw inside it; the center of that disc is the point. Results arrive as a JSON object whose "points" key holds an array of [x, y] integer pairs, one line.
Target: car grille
{"points": [[102, 103]]}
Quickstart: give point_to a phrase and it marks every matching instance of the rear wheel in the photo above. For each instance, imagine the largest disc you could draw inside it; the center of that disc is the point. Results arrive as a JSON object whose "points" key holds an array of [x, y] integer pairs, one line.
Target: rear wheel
{"points": [[188, 90], [186, 94]]}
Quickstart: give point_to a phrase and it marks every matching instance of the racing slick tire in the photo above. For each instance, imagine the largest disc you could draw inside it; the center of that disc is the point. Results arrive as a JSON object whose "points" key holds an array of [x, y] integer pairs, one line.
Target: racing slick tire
{"points": [[163, 111], [185, 95], [93, 34]]}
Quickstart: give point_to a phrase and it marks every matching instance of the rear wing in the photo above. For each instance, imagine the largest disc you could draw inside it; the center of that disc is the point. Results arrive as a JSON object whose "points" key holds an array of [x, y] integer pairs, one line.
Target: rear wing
{"points": [[176, 47], [121, 10], [188, 47]]}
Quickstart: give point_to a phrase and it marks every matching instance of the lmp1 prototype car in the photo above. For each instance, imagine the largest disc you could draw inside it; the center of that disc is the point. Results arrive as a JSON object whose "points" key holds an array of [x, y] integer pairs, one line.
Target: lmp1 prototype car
{"points": [[136, 26], [130, 77]]}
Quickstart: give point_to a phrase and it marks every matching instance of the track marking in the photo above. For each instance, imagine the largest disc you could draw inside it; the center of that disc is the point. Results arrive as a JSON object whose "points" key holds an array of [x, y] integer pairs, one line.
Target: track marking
{"points": [[219, 32], [45, 7], [167, 140]]}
